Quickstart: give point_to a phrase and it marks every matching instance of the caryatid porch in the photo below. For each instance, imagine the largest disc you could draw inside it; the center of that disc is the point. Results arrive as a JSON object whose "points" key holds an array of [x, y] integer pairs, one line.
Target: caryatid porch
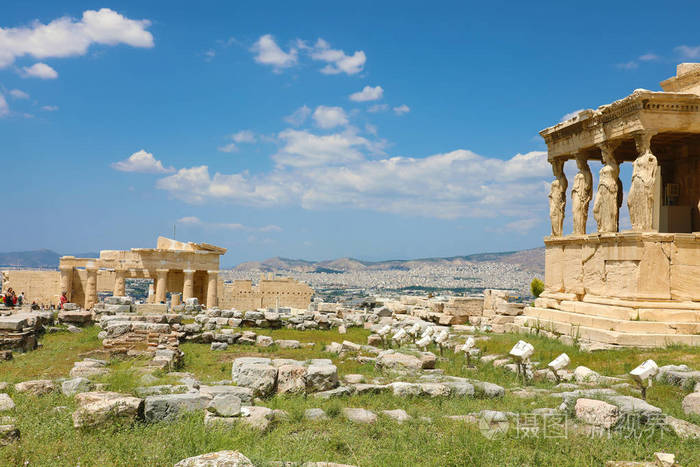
{"points": [[640, 286], [189, 268]]}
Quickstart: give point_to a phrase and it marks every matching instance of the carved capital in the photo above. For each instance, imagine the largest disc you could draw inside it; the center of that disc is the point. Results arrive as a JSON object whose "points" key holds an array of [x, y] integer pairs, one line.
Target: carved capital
{"points": [[643, 142], [607, 149]]}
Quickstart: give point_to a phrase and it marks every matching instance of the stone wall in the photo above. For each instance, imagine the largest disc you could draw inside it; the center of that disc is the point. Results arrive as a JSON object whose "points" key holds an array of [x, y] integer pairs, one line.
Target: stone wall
{"points": [[242, 295], [464, 309], [44, 287]]}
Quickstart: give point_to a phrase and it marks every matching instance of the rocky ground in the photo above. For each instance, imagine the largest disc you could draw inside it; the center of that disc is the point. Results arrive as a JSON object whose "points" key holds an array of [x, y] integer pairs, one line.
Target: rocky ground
{"points": [[314, 397]]}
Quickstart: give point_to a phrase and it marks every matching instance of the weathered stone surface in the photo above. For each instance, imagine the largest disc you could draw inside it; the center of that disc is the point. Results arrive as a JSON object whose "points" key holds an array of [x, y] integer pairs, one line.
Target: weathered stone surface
{"points": [[632, 406], [97, 408], [256, 417], [691, 403], [13, 322], [315, 414], [145, 391], [340, 391], [354, 378], [488, 390], [427, 360], [6, 402], [402, 389], [8, 435], [460, 388], [261, 378], [73, 386], [239, 362], [583, 374], [595, 412], [37, 387], [358, 415], [321, 377], [225, 405], [398, 361], [244, 394], [264, 341], [288, 344], [399, 415], [682, 428], [291, 379], [435, 389], [169, 406], [217, 459], [216, 346]]}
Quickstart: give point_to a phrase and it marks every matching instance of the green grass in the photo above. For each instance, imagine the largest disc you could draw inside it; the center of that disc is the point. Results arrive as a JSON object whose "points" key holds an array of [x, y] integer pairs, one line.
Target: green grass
{"points": [[48, 437]]}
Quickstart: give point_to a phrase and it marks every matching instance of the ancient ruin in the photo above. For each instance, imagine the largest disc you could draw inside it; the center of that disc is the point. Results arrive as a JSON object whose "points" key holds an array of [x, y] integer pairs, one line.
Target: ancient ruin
{"points": [[638, 287]]}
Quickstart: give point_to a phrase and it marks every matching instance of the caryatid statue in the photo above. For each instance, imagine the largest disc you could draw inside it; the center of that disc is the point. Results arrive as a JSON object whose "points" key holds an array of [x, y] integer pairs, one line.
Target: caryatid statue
{"points": [[581, 194], [641, 197], [606, 207], [557, 198]]}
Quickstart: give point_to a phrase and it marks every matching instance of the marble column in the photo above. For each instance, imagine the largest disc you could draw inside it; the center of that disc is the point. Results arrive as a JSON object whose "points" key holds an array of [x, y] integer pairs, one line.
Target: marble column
{"points": [[557, 198], [212, 282], [161, 284], [188, 285], [119, 283], [581, 194], [66, 280], [91, 287], [606, 206], [642, 189]]}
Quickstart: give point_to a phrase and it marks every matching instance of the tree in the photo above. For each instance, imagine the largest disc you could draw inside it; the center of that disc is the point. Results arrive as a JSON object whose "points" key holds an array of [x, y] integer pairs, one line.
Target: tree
{"points": [[536, 287]]}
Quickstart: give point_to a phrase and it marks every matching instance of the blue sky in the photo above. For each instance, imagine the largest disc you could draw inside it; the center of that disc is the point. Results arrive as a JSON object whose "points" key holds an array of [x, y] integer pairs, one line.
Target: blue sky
{"points": [[306, 129]]}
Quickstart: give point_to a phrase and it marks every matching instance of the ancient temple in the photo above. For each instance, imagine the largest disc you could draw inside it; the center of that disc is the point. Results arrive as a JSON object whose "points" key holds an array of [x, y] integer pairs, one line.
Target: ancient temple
{"points": [[637, 287]]}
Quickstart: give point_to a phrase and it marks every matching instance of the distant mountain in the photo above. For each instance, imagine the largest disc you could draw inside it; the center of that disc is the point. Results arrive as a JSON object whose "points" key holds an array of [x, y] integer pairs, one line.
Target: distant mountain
{"points": [[36, 258], [530, 260]]}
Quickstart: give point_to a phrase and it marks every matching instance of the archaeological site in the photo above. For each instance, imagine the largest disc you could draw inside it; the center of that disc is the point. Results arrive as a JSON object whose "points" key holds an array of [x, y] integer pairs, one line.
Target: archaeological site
{"points": [[418, 307]]}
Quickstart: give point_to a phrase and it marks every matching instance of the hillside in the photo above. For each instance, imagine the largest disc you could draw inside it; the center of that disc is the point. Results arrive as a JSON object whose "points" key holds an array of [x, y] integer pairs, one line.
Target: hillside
{"points": [[37, 258]]}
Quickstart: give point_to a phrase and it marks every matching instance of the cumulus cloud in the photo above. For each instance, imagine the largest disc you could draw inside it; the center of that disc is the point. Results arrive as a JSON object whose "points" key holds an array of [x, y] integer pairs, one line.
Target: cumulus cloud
{"points": [[19, 94], [189, 220], [368, 93], [244, 136], [337, 61], [321, 175], [376, 108], [4, 108], [68, 37], [49, 108], [649, 57], [299, 116], [192, 220], [39, 70], [330, 117], [142, 162], [267, 52], [402, 109], [689, 52]]}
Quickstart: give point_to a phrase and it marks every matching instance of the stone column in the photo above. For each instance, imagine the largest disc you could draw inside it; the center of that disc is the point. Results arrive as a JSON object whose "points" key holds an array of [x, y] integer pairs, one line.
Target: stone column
{"points": [[188, 285], [66, 280], [212, 281], [91, 287], [161, 284], [557, 197], [119, 283], [606, 206], [581, 194], [641, 197]]}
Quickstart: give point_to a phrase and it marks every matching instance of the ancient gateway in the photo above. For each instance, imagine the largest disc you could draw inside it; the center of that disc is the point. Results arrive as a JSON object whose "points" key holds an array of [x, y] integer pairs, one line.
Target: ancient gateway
{"points": [[638, 287], [189, 269]]}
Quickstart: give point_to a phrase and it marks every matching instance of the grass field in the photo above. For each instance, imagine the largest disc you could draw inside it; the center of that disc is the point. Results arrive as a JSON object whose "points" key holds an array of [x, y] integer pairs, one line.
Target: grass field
{"points": [[48, 437]]}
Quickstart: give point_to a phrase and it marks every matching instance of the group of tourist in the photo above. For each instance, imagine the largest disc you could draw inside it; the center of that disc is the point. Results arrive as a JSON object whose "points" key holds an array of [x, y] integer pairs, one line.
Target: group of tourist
{"points": [[11, 299]]}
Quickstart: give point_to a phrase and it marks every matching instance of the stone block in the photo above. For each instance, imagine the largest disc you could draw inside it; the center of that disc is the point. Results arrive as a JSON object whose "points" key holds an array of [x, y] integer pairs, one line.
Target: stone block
{"points": [[225, 405], [217, 459], [691, 404], [321, 377], [291, 379], [169, 406], [598, 413], [97, 408], [261, 378]]}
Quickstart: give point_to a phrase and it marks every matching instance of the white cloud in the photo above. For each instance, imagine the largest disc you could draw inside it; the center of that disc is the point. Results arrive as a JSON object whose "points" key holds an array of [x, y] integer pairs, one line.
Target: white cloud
{"points": [[192, 220], [569, 116], [631, 65], [299, 116], [230, 147], [330, 117], [371, 129], [50, 108], [305, 149], [39, 70], [686, 51], [66, 37], [142, 162], [368, 93], [402, 109], [376, 108], [244, 136], [649, 57], [337, 61], [19, 94], [4, 108], [269, 53]]}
